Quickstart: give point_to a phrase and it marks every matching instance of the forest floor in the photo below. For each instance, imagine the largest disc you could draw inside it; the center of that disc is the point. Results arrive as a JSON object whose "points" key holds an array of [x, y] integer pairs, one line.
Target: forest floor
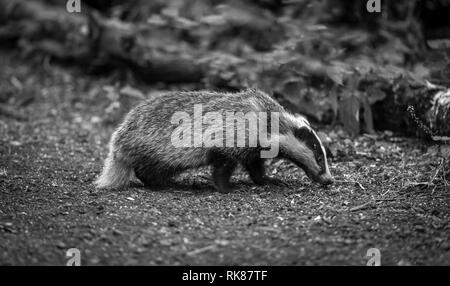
{"points": [[391, 194]]}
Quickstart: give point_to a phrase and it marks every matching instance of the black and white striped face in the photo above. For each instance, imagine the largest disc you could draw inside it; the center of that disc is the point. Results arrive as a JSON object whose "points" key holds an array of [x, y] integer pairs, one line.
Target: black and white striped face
{"points": [[303, 147]]}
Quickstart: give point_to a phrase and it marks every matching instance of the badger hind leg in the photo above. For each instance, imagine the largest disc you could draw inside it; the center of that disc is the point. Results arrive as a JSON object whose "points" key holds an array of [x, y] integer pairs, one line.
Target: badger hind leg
{"points": [[115, 174], [223, 168]]}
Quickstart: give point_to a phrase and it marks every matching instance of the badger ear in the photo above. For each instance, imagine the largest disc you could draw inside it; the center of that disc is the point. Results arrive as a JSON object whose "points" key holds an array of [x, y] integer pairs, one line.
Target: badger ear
{"points": [[326, 143], [302, 119]]}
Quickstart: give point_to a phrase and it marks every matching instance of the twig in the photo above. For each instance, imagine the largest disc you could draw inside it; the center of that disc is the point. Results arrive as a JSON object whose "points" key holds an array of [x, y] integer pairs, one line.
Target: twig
{"points": [[351, 182], [360, 207], [200, 250], [266, 228], [386, 200], [383, 194], [408, 184], [436, 173], [444, 174]]}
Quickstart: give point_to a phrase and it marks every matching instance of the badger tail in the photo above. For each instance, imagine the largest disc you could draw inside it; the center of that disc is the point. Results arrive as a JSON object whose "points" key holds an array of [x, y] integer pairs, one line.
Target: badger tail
{"points": [[115, 174]]}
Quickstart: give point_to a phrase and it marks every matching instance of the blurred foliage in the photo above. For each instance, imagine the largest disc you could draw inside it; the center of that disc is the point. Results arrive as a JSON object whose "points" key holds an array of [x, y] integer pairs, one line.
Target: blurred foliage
{"points": [[330, 60]]}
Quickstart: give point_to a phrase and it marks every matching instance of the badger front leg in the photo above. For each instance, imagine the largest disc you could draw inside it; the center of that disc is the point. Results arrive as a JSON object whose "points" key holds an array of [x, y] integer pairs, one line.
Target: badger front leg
{"points": [[222, 170], [256, 170]]}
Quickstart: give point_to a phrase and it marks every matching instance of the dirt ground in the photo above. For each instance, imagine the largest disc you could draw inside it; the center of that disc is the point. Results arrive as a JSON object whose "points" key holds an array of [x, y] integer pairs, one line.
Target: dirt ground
{"points": [[391, 194]]}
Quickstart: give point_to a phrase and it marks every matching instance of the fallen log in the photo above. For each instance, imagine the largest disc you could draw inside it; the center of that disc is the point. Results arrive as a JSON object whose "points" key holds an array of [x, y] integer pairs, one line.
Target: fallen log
{"points": [[423, 112]]}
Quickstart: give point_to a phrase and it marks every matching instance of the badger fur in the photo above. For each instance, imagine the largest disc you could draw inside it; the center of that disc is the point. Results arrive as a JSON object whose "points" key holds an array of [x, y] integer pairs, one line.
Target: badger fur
{"points": [[143, 144]]}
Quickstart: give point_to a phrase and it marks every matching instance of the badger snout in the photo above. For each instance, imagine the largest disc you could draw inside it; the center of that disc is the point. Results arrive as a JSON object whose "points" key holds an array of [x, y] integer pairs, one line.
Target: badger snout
{"points": [[325, 179]]}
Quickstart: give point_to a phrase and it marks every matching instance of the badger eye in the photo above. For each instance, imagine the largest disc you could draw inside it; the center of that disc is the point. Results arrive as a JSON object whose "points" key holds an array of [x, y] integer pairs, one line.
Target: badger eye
{"points": [[320, 160]]}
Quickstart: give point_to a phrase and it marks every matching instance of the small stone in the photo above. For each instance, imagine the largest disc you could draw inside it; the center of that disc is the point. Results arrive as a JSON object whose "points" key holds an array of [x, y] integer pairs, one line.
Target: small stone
{"points": [[61, 245], [15, 143]]}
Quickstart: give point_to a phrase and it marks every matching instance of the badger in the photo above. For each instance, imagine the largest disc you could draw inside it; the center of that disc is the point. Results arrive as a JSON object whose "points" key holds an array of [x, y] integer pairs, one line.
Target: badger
{"points": [[163, 136]]}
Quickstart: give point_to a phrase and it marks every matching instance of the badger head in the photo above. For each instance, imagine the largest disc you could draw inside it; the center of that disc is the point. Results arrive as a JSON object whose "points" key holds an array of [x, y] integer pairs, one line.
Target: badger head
{"points": [[301, 145]]}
